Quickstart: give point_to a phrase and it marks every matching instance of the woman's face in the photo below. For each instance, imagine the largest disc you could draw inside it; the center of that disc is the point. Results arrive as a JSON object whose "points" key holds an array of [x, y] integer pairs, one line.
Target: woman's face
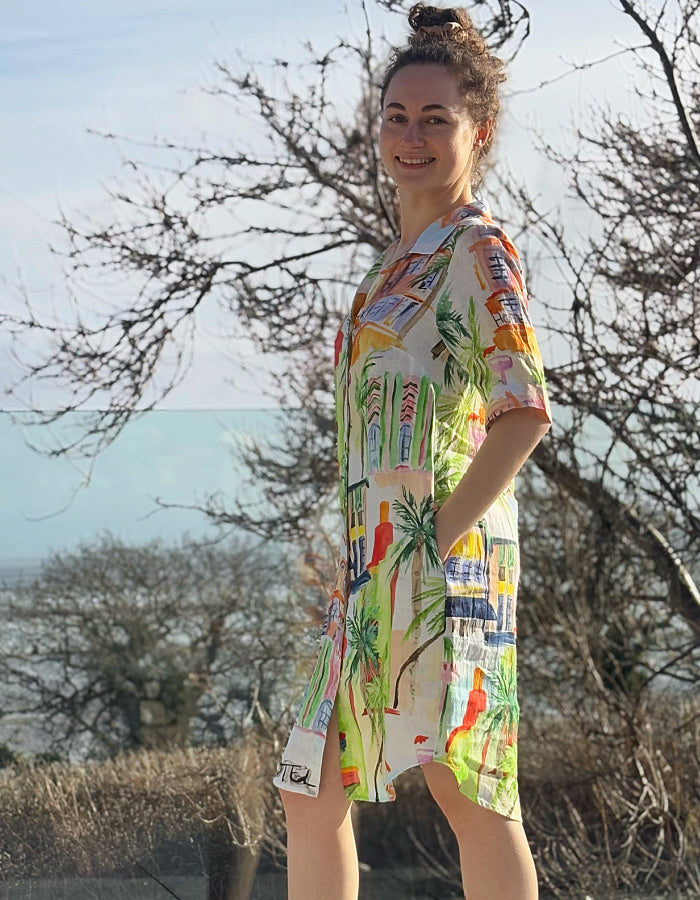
{"points": [[427, 138]]}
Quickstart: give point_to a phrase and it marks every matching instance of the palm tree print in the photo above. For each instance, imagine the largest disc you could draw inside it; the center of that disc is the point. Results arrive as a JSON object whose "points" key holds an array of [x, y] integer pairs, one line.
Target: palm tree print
{"points": [[478, 371], [361, 396], [415, 522], [465, 361], [432, 613], [363, 655], [365, 662], [432, 616], [377, 694], [508, 784], [441, 260], [446, 475], [376, 266], [503, 712], [451, 446], [451, 328]]}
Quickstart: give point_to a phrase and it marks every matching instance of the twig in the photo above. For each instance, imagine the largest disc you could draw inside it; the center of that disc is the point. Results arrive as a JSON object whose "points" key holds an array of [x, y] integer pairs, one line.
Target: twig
{"points": [[156, 879]]}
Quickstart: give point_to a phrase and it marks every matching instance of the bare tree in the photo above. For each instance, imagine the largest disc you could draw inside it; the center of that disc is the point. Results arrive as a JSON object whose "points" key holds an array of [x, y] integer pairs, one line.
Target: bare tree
{"points": [[316, 207], [115, 646], [629, 442]]}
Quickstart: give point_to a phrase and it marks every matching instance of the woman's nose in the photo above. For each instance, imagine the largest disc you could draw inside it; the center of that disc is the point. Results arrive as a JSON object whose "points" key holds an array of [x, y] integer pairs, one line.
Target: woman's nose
{"points": [[413, 133]]}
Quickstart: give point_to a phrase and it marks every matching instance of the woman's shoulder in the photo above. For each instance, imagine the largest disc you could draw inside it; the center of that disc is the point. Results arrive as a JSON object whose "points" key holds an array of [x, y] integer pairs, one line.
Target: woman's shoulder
{"points": [[481, 235], [477, 220], [484, 260]]}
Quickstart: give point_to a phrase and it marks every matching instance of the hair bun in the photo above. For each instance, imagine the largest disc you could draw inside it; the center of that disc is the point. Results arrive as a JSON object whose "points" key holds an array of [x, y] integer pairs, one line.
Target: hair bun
{"points": [[430, 21], [449, 38], [448, 30], [432, 24]]}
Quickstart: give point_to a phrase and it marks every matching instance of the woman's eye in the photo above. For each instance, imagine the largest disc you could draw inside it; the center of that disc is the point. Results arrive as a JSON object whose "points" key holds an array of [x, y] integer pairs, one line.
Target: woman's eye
{"points": [[399, 118]]}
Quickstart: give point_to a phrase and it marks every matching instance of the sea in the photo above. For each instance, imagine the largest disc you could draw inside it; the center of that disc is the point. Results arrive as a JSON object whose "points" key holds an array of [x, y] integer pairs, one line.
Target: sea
{"points": [[149, 483]]}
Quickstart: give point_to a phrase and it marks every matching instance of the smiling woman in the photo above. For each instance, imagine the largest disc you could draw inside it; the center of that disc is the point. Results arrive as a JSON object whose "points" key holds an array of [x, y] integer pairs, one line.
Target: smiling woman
{"points": [[440, 398], [428, 147], [457, 48]]}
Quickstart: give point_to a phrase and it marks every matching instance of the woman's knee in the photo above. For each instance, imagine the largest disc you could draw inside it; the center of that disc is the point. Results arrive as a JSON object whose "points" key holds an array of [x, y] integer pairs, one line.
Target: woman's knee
{"points": [[463, 814]]}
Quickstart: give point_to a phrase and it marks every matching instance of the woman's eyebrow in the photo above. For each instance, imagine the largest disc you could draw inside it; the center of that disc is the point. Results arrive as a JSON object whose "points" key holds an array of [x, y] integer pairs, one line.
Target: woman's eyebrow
{"points": [[424, 109]]}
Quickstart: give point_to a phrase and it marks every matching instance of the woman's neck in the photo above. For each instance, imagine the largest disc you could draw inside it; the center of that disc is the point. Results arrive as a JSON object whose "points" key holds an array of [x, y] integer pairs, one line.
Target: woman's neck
{"points": [[419, 210]]}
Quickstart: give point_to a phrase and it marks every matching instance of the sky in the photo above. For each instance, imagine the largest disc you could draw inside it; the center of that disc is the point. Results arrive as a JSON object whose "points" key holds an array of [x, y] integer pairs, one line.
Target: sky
{"points": [[180, 458], [137, 69]]}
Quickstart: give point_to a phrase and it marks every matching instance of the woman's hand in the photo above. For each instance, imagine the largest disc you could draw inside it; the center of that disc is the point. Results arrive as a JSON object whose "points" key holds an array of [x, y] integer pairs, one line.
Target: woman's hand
{"points": [[442, 532], [511, 439]]}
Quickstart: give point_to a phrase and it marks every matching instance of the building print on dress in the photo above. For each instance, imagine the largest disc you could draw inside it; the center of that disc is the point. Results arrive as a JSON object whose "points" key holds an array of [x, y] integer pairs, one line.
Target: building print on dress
{"points": [[399, 422], [488, 732], [507, 301], [317, 703], [357, 532], [481, 581], [382, 541], [383, 321]]}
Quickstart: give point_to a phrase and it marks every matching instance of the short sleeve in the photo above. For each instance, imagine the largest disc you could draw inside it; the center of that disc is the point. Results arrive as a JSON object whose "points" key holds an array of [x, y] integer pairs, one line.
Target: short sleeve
{"points": [[483, 319]]}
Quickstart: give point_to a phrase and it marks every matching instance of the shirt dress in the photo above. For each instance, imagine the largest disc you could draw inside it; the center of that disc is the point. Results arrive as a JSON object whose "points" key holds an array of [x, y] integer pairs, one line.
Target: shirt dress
{"points": [[420, 656]]}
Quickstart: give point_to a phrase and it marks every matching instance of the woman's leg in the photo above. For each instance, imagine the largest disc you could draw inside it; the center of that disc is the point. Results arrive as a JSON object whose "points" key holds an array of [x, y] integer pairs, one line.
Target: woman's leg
{"points": [[321, 852], [493, 851]]}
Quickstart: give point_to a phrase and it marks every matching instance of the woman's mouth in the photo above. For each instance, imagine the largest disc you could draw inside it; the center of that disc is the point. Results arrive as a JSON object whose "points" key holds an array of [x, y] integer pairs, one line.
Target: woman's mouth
{"points": [[411, 162]]}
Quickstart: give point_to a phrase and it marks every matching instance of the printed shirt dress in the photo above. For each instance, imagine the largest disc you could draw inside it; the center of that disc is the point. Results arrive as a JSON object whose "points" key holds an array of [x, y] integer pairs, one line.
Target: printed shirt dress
{"points": [[419, 656]]}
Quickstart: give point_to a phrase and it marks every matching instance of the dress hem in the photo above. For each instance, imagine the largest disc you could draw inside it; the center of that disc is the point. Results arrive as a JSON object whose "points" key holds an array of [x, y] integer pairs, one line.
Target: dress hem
{"points": [[391, 798]]}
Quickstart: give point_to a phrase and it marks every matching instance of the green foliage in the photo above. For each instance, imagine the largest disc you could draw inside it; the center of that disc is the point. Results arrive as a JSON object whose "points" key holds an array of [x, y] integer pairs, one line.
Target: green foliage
{"points": [[47, 758], [8, 756]]}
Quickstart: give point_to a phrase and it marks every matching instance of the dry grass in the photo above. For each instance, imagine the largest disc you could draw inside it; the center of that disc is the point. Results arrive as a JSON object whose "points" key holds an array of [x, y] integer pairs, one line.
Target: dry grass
{"points": [[611, 809], [608, 807], [70, 819], [617, 806]]}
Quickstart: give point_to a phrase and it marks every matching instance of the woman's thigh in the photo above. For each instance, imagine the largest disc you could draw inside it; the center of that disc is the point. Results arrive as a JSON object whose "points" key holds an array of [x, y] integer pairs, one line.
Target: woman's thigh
{"points": [[330, 809]]}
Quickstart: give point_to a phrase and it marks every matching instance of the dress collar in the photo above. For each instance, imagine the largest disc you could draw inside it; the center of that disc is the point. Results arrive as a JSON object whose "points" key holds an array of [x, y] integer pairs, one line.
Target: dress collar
{"points": [[438, 231]]}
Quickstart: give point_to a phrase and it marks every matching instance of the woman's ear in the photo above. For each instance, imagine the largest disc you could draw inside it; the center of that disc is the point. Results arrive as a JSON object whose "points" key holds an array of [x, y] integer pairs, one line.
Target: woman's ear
{"points": [[483, 132]]}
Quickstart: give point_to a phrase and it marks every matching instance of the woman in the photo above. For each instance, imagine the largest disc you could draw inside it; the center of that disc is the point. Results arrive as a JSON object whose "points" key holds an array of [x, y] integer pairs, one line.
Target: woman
{"points": [[440, 399]]}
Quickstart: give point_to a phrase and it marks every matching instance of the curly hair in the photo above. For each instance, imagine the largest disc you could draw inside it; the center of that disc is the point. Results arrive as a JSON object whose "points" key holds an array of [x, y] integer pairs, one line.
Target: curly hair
{"points": [[448, 37]]}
